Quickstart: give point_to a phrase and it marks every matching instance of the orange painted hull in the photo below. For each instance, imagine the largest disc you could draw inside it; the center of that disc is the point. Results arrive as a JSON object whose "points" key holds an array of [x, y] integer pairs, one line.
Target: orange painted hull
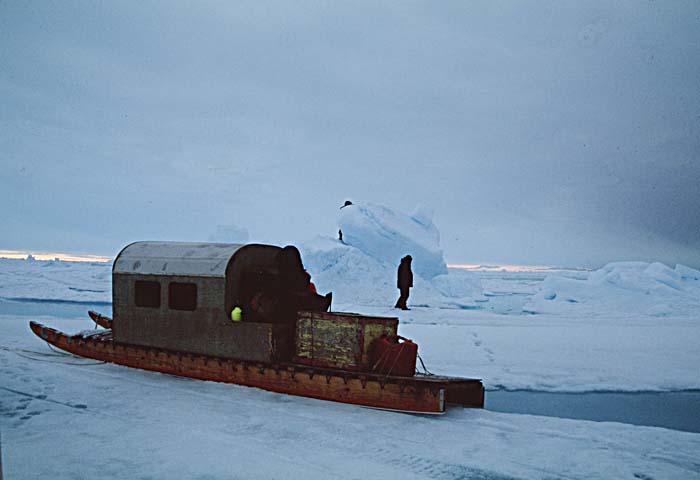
{"points": [[420, 394], [99, 319]]}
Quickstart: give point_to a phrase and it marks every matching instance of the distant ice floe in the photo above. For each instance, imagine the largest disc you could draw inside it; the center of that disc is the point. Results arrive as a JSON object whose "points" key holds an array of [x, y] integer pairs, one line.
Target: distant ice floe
{"points": [[55, 280], [627, 288], [362, 269]]}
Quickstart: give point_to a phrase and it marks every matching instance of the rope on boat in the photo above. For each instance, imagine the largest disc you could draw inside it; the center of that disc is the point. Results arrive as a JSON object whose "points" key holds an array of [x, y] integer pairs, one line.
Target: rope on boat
{"points": [[425, 370]]}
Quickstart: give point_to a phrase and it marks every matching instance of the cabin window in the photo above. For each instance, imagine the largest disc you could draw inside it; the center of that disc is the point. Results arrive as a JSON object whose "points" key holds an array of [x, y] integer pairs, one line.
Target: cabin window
{"points": [[147, 294], [182, 296]]}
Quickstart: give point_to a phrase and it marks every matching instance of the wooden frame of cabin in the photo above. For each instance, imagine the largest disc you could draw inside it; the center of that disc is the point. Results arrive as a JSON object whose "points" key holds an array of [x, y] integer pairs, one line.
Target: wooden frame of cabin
{"points": [[152, 286]]}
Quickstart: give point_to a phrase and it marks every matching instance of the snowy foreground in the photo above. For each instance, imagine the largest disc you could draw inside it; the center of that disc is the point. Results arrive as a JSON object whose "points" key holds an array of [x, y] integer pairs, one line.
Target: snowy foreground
{"points": [[70, 418], [65, 418]]}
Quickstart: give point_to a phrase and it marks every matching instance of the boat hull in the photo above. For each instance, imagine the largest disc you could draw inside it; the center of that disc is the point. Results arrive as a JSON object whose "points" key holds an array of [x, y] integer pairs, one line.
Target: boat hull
{"points": [[429, 394]]}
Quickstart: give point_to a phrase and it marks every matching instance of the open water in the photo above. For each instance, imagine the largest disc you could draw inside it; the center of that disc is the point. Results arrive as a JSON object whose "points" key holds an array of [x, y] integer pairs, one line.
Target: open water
{"points": [[674, 410]]}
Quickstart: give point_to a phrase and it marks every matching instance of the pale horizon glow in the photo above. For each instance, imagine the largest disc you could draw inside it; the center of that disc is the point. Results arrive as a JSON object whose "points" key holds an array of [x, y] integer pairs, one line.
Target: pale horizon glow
{"points": [[83, 257], [64, 257], [478, 267], [509, 268]]}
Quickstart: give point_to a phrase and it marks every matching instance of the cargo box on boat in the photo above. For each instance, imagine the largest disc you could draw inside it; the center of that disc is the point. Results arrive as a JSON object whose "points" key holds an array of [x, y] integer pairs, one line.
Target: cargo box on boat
{"points": [[394, 356], [339, 340]]}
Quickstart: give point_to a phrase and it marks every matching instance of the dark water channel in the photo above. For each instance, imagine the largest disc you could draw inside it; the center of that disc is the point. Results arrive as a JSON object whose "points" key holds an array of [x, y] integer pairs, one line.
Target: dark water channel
{"points": [[675, 410], [54, 308]]}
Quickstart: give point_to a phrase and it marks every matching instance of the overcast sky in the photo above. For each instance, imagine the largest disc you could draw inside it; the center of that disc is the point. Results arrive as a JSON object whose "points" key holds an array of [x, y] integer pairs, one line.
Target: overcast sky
{"points": [[562, 133]]}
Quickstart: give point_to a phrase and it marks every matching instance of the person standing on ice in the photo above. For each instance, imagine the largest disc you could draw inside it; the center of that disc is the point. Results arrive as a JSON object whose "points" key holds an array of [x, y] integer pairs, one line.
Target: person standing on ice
{"points": [[404, 282]]}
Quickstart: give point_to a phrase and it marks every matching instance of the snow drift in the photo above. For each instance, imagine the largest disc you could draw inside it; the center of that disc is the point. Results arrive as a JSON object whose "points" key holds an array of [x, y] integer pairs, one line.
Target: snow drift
{"points": [[628, 288]]}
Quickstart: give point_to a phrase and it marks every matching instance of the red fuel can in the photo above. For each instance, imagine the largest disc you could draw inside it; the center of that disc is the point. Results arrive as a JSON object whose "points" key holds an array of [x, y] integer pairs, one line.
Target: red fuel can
{"points": [[394, 355]]}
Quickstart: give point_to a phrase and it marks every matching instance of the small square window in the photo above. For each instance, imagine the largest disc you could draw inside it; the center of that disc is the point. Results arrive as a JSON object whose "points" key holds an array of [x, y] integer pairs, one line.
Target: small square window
{"points": [[147, 294], [182, 296]]}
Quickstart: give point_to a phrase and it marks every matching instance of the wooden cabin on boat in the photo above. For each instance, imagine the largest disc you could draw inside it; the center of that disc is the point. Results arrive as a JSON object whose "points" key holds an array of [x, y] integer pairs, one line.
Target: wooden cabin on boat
{"points": [[179, 296]]}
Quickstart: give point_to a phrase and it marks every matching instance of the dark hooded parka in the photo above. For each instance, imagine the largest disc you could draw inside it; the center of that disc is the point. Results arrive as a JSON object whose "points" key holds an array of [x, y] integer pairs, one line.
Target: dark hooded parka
{"points": [[298, 294], [404, 281]]}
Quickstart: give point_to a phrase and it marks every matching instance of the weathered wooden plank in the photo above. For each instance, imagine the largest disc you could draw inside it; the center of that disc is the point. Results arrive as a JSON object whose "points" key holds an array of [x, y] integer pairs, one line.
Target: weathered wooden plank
{"points": [[339, 340]]}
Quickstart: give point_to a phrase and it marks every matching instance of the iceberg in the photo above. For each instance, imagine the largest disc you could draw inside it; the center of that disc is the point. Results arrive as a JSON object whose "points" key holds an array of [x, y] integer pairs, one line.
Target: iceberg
{"points": [[387, 235], [362, 269]]}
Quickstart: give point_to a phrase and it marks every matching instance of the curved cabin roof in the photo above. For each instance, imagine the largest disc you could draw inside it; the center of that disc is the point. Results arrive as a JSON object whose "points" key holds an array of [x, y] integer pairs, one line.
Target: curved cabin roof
{"points": [[175, 258]]}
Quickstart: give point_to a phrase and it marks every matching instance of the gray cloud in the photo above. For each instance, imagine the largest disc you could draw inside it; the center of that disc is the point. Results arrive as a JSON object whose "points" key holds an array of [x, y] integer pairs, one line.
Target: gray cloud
{"points": [[538, 132]]}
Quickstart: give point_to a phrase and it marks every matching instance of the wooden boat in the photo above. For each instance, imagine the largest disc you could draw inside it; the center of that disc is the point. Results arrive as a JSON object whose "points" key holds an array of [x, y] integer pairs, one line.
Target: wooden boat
{"points": [[427, 394], [171, 304]]}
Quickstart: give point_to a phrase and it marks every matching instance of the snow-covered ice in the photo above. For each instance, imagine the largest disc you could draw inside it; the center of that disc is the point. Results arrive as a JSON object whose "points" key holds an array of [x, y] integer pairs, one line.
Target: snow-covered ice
{"points": [[623, 289], [69, 418], [56, 280], [98, 420]]}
